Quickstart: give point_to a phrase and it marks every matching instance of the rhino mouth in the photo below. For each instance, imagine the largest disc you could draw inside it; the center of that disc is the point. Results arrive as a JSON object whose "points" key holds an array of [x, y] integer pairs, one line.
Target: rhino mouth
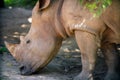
{"points": [[29, 70]]}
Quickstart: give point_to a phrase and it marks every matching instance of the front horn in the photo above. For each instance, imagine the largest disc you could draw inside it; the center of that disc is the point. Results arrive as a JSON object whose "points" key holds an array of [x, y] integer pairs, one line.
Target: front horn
{"points": [[11, 47]]}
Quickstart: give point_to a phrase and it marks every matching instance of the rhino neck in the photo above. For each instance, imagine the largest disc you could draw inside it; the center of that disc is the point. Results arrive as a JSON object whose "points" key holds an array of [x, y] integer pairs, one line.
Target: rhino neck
{"points": [[58, 21], [65, 15]]}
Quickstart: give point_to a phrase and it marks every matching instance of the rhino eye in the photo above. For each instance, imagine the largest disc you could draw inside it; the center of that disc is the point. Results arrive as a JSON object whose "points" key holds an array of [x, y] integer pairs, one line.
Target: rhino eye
{"points": [[28, 41]]}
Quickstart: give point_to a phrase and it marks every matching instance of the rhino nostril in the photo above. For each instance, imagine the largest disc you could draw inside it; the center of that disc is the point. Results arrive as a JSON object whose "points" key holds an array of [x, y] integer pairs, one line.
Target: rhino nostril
{"points": [[22, 68]]}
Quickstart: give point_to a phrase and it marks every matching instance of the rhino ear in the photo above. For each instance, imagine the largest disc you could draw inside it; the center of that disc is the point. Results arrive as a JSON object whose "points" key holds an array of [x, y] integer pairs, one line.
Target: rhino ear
{"points": [[43, 4]]}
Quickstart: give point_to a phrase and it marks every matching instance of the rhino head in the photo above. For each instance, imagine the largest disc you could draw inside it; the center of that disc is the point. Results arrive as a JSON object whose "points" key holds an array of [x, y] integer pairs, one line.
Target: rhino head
{"points": [[42, 42]]}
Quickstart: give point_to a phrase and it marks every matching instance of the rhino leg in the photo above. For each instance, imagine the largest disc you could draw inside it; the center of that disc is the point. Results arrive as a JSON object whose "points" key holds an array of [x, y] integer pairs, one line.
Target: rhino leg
{"points": [[111, 56], [88, 47]]}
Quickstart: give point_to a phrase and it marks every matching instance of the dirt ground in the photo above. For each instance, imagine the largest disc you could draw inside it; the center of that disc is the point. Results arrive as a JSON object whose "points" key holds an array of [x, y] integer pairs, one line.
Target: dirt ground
{"points": [[66, 64]]}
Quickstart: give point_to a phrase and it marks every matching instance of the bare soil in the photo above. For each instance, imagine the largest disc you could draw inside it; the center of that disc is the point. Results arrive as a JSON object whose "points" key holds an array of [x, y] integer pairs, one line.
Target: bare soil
{"points": [[66, 64]]}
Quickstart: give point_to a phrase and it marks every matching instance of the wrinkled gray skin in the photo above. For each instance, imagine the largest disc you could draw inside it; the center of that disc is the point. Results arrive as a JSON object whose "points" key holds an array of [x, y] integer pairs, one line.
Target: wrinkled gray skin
{"points": [[55, 20]]}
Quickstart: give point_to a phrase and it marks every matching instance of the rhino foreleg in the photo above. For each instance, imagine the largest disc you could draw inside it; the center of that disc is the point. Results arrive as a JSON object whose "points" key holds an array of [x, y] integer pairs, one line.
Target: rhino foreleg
{"points": [[111, 56], [88, 47]]}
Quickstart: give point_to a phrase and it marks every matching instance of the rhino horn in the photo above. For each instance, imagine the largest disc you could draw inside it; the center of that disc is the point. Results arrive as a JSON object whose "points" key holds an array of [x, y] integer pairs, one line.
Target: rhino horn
{"points": [[22, 38], [11, 47]]}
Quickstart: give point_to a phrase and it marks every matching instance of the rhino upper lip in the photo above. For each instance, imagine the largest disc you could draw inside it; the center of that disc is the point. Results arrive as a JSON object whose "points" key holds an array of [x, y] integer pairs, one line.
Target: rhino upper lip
{"points": [[28, 69]]}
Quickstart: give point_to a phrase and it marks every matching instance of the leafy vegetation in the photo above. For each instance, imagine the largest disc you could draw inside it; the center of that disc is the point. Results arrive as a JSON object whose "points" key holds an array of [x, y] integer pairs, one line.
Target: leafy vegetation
{"points": [[96, 6], [3, 49], [20, 3]]}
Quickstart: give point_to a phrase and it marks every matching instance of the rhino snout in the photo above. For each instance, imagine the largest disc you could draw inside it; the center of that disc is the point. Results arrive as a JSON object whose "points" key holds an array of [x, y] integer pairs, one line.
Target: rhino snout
{"points": [[24, 70]]}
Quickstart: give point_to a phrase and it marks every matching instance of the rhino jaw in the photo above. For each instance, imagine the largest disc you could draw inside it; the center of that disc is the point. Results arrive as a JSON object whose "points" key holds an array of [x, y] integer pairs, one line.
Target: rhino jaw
{"points": [[11, 47]]}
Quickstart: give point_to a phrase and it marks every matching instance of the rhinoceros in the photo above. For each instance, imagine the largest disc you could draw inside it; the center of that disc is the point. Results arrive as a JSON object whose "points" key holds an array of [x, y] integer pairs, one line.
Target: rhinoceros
{"points": [[55, 20]]}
